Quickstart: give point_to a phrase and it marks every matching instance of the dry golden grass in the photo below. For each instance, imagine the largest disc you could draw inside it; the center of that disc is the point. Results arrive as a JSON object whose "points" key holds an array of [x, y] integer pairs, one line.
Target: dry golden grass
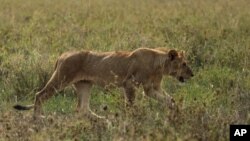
{"points": [[215, 34]]}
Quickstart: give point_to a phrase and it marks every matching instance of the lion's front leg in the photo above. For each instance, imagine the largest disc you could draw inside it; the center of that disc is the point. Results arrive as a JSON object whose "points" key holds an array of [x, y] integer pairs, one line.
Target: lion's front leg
{"points": [[169, 99], [156, 92]]}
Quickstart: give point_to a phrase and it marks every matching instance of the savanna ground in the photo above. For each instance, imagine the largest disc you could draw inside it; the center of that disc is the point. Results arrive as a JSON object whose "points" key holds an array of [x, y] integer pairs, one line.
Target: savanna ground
{"points": [[215, 35]]}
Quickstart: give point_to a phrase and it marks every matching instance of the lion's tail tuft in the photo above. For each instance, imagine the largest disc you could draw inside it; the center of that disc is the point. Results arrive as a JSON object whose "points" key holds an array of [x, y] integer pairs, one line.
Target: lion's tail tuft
{"points": [[21, 107]]}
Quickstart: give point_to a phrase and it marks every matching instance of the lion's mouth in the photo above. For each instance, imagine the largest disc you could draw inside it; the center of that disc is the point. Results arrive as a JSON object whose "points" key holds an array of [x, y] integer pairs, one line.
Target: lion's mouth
{"points": [[181, 79]]}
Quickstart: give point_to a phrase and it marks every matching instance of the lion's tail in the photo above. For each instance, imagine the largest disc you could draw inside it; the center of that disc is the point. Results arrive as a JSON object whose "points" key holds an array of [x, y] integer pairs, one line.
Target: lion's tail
{"points": [[56, 64], [22, 107], [28, 107]]}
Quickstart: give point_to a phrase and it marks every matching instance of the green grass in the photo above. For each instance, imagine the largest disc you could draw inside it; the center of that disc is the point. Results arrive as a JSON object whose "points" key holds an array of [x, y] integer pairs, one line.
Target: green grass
{"points": [[214, 34]]}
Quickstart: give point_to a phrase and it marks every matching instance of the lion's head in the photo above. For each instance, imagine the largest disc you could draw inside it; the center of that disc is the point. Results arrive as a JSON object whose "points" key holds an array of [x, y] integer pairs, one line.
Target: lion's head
{"points": [[177, 67]]}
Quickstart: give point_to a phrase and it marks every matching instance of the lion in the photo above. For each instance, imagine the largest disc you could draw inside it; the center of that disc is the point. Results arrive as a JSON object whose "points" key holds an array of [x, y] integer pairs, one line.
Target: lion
{"points": [[126, 69]]}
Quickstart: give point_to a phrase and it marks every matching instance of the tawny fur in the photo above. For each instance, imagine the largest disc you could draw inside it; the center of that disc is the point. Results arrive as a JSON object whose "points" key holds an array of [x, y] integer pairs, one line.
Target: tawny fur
{"points": [[143, 66]]}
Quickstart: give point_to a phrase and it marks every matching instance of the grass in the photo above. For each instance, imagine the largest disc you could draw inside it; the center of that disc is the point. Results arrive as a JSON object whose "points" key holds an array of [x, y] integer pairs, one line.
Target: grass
{"points": [[215, 35]]}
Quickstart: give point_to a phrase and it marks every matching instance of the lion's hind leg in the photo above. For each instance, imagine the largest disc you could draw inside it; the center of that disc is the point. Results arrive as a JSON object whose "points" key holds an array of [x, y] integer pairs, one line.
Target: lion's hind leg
{"points": [[56, 83], [83, 89], [129, 91], [83, 93]]}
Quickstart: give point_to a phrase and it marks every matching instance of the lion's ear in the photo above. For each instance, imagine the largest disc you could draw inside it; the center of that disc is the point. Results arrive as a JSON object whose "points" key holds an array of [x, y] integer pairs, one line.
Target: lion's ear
{"points": [[172, 54]]}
